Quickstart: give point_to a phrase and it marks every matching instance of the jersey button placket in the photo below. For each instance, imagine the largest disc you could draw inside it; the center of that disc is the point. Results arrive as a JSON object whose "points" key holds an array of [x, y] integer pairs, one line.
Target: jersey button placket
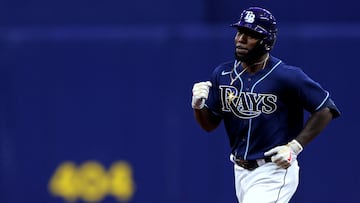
{"points": [[248, 84]]}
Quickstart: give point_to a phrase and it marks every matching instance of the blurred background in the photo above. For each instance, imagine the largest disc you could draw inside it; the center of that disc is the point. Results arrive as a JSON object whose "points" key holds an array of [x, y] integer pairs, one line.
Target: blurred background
{"points": [[95, 98]]}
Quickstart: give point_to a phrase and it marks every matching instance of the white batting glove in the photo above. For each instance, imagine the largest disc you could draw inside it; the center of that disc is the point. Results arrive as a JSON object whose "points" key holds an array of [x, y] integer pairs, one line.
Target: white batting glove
{"points": [[200, 94], [285, 155]]}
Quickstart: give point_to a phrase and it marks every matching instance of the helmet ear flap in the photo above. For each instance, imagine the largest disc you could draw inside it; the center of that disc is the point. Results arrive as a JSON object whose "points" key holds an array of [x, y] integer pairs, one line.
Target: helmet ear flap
{"points": [[272, 40]]}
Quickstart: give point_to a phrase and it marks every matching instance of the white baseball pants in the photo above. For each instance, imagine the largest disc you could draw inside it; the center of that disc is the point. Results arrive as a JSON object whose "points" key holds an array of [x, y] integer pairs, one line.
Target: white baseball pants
{"points": [[266, 184]]}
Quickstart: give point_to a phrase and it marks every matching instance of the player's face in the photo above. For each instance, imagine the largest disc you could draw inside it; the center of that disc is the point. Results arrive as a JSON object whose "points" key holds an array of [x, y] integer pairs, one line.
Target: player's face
{"points": [[245, 40]]}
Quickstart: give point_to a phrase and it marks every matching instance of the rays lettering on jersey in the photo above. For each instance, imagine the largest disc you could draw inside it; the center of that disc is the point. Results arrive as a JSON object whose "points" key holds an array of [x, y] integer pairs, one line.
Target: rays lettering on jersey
{"points": [[246, 105]]}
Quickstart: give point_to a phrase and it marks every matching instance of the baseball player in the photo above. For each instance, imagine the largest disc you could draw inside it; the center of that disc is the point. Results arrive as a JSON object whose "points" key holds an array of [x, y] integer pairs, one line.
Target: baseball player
{"points": [[261, 101]]}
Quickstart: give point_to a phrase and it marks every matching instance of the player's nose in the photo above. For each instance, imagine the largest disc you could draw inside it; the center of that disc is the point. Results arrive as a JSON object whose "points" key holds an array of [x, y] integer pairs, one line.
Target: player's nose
{"points": [[240, 37]]}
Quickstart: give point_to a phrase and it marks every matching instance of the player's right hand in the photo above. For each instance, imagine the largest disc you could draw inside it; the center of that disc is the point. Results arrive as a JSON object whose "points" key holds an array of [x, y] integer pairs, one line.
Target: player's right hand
{"points": [[200, 94]]}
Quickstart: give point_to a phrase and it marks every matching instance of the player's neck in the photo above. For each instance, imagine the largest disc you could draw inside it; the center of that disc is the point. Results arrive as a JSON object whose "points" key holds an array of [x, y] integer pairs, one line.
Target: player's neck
{"points": [[257, 65]]}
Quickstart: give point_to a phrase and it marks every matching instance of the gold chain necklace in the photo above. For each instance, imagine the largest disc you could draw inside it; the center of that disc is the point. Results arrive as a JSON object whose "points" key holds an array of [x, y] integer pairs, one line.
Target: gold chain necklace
{"points": [[237, 75], [236, 64]]}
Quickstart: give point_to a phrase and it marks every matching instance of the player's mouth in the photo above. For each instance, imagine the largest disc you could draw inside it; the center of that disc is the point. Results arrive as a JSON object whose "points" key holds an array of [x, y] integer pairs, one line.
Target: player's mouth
{"points": [[240, 50]]}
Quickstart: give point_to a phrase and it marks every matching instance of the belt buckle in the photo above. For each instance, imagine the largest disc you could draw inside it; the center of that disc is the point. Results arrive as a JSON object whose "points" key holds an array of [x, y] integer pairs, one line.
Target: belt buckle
{"points": [[242, 163]]}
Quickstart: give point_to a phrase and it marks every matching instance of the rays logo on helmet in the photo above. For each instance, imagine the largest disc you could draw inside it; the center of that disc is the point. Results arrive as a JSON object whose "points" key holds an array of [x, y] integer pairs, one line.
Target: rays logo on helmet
{"points": [[249, 17]]}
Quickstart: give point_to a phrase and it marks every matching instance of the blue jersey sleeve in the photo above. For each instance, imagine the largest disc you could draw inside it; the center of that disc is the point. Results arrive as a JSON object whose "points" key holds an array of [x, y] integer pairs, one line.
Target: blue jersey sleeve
{"points": [[313, 96], [333, 108]]}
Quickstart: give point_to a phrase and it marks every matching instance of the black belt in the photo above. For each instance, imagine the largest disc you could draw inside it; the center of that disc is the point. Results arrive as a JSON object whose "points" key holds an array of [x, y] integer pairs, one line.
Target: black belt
{"points": [[251, 164]]}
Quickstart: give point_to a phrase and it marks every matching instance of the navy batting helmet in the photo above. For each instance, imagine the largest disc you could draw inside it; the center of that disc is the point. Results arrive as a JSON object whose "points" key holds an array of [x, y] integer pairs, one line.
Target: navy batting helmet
{"points": [[261, 21]]}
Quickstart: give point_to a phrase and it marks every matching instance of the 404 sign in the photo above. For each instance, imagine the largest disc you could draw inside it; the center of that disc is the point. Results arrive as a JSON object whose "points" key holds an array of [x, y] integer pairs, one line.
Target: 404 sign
{"points": [[91, 182]]}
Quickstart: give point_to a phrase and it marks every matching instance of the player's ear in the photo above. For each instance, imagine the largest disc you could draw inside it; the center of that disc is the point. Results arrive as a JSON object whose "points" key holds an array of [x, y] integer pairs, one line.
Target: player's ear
{"points": [[266, 46]]}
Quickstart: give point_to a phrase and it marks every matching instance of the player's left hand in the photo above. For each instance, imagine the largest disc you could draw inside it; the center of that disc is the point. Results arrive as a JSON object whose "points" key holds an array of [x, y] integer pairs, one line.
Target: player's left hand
{"points": [[285, 155]]}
